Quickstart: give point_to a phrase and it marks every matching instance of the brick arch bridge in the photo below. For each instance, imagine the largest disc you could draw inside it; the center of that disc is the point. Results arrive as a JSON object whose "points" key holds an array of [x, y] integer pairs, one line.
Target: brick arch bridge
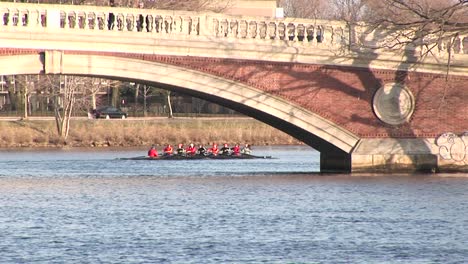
{"points": [[300, 77]]}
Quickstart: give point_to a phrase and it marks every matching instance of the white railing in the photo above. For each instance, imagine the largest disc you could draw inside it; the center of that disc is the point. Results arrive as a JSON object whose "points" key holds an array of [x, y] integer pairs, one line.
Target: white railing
{"points": [[330, 34], [171, 22]]}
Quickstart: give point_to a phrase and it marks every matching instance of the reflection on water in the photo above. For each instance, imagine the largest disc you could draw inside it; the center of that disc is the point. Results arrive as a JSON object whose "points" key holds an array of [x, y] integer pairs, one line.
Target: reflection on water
{"points": [[87, 207]]}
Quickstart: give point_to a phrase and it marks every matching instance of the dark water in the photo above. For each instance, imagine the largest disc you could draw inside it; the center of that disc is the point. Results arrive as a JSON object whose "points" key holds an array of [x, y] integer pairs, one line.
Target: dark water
{"points": [[87, 207]]}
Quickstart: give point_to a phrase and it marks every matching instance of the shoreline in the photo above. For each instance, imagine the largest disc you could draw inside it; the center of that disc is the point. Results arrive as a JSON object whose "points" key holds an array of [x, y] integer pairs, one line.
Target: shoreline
{"points": [[41, 133]]}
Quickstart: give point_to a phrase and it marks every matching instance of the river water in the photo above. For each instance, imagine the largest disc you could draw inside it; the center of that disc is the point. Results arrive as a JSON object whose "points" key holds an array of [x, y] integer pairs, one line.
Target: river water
{"points": [[82, 206]]}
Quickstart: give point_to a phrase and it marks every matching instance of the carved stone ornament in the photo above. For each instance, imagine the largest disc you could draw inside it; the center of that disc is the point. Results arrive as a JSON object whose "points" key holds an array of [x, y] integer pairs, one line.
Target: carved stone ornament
{"points": [[393, 104]]}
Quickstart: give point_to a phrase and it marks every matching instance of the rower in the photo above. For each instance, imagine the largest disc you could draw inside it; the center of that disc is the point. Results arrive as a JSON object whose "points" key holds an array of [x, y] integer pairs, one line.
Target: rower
{"points": [[180, 149], [152, 152], [168, 151], [225, 150], [246, 149], [236, 150], [214, 149], [201, 150], [191, 150]]}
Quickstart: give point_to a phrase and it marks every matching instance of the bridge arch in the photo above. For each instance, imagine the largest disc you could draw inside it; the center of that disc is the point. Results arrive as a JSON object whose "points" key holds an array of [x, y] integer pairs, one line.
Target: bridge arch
{"points": [[315, 131]]}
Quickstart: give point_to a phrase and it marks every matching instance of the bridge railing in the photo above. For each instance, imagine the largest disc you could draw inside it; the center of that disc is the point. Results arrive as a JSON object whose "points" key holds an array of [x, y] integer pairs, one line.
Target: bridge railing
{"points": [[170, 24], [164, 22]]}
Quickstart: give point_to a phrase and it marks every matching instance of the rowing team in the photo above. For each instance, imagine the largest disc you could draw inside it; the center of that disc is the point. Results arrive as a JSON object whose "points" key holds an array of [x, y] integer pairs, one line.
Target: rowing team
{"points": [[201, 150]]}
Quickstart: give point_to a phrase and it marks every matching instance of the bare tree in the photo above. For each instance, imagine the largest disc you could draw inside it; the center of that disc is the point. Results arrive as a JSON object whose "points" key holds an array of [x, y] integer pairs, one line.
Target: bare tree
{"points": [[419, 22], [24, 85], [193, 5], [316, 9], [146, 92], [64, 90], [169, 104], [92, 87], [348, 10]]}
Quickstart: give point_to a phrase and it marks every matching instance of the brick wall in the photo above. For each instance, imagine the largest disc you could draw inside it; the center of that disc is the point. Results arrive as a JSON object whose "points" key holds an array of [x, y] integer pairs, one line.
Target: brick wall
{"points": [[340, 94]]}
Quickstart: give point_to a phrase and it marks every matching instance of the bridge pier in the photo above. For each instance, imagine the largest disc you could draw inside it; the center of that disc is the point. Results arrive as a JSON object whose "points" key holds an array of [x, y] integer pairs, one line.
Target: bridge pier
{"points": [[448, 153], [335, 162]]}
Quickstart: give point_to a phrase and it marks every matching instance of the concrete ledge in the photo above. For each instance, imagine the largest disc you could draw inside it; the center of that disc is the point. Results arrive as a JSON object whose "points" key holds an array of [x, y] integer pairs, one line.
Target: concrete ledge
{"points": [[394, 163], [407, 155]]}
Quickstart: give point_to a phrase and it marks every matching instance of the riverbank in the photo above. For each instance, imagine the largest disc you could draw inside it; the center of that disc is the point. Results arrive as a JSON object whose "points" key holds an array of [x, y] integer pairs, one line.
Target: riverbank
{"points": [[140, 132]]}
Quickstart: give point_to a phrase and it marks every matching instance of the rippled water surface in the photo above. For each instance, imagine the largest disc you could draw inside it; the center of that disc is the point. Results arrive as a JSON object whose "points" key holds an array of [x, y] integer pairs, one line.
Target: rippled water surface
{"points": [[86, 206]]}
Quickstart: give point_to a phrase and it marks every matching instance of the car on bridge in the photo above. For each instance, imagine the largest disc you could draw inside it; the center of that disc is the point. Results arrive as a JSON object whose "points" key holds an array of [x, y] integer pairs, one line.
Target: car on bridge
{"points": [[108, 112]]}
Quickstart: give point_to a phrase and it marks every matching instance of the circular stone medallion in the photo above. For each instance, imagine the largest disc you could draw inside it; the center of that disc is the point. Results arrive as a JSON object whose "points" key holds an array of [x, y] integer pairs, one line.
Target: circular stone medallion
{"points": [[393, 104]]}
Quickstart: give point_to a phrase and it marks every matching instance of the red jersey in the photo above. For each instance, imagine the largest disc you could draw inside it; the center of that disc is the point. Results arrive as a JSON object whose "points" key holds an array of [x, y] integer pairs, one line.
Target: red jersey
{"points": [[236, 150], [168, 150], [152, 153], [191, 150], [214, 150]]}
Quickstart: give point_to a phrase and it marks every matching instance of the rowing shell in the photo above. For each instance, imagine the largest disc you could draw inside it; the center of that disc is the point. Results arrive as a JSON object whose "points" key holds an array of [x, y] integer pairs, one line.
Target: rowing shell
{"points": [[197, 157]]}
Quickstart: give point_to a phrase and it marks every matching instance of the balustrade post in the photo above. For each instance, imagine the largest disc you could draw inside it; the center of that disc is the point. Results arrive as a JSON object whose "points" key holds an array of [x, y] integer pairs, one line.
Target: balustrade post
{"points": [[178, 25], [294, 32], [196, 26], [9, 21], [85, 22], [34, 19], [204, 25], [118, 22], [257, 30], [126, 23], [188, 25], [23, 18], [276, 32], [216, 27], [74, 21], [143, 23], [169, 23], [173, 26], [3, 22], [320, 36], [129, 23], [327, 35], [149, 20], [158, 24], [232, 24]]}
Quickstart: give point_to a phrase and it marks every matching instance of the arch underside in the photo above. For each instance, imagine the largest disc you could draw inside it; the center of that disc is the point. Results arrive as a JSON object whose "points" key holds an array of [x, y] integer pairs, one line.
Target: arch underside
{"points": [[304, 125]]}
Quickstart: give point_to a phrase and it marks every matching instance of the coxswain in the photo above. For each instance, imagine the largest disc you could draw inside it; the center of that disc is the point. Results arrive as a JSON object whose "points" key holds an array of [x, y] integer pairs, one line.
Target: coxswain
{"points": [[214, 149], [246, 149], [168, 151], [201, 150], [180, 149], [225, 150], [191, 150], [152, 152], [236, 150]]}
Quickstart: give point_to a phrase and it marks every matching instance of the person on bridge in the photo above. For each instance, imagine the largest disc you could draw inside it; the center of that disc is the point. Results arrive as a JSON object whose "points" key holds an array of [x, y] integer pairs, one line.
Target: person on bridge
{"points": [[111, 18], [191, 150], [214, 149], [152, 152], [168, 150]]}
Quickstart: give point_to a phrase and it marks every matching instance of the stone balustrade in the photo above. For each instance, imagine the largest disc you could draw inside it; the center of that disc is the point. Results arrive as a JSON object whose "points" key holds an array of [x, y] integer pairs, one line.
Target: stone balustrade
{"points": [[166, 22], [169, 23]]}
